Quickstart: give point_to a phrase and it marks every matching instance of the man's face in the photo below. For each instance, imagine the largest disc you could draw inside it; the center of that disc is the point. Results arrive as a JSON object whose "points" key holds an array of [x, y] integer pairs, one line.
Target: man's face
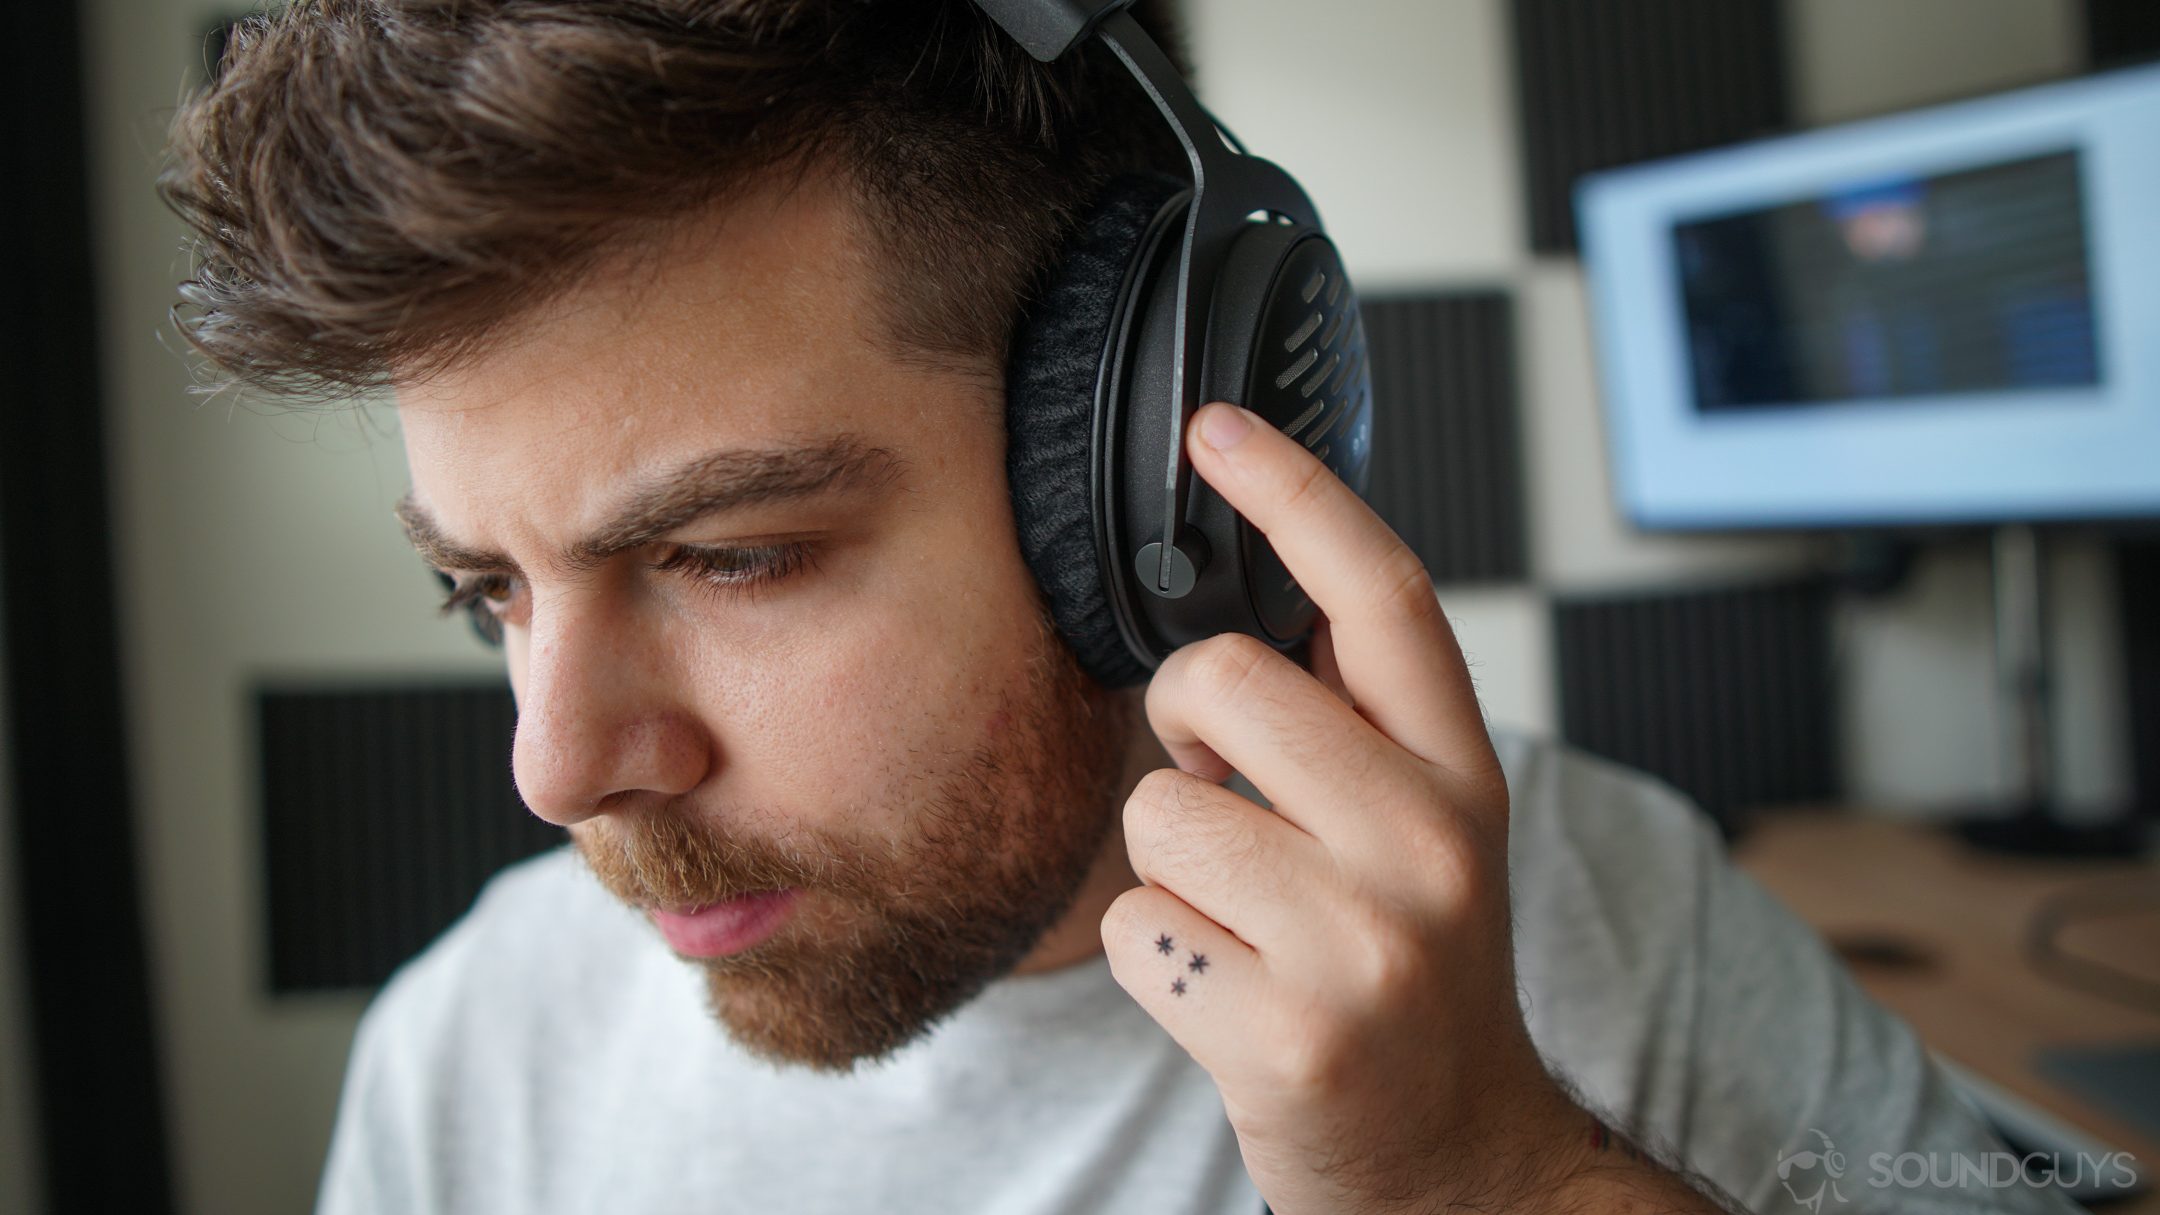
{"points": [[768, 627]]}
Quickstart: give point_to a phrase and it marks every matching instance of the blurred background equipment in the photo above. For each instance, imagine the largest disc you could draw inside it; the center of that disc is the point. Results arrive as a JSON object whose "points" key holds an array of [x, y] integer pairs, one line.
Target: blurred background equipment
{"points": [[1941, 317], [1944, 316]]}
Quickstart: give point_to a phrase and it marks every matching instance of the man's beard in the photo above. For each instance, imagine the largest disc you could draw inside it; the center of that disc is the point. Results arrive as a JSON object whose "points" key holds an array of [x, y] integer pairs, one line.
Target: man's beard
{"points": [[995, 857]]}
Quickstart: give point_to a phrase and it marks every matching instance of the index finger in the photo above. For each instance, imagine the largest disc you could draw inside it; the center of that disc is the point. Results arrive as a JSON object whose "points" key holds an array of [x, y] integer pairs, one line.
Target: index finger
{"points": [[1396, 654]]}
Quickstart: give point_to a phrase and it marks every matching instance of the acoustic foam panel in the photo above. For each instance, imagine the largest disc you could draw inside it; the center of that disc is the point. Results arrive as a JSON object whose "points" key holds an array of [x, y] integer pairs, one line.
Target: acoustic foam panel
{"points": [[1725, 692], [384, 810], [1447, 464], [1602, 83], [2137, 564], [2121, 32]]}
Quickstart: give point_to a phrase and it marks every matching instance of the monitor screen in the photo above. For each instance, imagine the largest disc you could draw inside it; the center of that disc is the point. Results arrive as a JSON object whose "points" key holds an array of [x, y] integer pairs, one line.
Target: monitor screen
{"points": [[1933, 317]]}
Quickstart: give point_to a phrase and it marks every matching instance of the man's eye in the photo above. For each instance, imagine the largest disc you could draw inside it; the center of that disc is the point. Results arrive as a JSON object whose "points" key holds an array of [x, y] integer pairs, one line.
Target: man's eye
{"points": [[735, 570], [479, 599], [728, 570]]}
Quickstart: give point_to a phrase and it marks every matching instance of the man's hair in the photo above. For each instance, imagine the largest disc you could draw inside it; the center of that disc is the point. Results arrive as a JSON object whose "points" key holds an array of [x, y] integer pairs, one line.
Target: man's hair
{"points": [[375, 187]]}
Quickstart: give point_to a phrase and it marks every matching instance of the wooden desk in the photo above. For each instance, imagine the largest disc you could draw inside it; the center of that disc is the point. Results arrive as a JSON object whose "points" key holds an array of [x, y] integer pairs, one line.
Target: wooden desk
{"points": [[1980, 1003]]}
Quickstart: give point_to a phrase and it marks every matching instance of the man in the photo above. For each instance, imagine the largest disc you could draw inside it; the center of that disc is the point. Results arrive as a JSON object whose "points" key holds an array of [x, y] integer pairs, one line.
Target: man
{"points": [[696, 312]]}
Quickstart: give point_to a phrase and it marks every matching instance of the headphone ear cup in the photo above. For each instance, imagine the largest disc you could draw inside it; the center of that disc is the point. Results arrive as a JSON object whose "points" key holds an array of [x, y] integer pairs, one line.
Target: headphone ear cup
{"points": [[1052, 370]]}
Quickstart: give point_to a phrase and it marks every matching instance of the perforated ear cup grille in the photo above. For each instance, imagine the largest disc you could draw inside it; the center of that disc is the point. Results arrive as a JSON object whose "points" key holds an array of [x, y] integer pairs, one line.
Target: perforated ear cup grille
{"points": [[1050, 380], [1310, 377]]}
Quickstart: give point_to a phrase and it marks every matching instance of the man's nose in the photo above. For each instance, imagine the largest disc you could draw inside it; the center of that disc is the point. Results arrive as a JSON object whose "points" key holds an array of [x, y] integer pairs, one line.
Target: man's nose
{"points": [[603, 723]]}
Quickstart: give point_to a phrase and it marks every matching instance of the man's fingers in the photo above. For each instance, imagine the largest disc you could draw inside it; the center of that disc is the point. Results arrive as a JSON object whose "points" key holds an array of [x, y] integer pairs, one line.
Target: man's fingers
{"points": [[1191, 974], [1392, 645], [1324, 667], [1324, 769], [1231, 860]]}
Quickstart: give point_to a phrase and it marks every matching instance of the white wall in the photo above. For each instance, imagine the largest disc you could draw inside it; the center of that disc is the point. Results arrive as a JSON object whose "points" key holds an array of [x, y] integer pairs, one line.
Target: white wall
{"points": [[250, 543]]}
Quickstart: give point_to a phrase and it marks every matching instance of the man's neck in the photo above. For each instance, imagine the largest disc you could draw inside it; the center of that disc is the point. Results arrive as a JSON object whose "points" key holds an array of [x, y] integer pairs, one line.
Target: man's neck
{"points": [[1077, 937]]}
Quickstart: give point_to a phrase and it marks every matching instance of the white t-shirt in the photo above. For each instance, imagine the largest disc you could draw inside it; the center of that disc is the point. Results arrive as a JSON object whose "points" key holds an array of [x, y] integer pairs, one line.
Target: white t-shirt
{"points": [[549, 1054]]}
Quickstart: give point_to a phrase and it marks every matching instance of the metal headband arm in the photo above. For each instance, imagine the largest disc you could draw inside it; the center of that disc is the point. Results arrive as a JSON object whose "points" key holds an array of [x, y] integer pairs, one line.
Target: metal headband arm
{"points": [[1049, 28], [1227, 188], [1195, 280]]}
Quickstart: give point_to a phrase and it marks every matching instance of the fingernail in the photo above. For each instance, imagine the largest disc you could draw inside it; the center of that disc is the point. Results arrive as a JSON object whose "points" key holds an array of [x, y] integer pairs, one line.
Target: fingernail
{"points": [[1224, 426]]}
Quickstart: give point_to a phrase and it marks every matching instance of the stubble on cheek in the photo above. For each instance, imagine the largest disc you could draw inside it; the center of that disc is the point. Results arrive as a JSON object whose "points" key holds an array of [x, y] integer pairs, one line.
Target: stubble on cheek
{"points": [[988, 825]]}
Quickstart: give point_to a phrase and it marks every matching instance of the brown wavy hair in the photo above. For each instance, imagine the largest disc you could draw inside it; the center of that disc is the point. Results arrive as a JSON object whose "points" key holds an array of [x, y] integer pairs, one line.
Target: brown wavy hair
{"points": [[375, 187]]}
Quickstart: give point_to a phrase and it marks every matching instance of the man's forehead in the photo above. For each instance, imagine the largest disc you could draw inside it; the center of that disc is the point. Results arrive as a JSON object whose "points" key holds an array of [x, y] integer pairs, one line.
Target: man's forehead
{"points": [[720, 336], [770, 281], [741, 362]]}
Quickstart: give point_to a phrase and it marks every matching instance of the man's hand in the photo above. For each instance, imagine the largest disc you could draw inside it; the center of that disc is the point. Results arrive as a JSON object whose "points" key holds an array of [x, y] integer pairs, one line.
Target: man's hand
{"points": [[1343, 967]]}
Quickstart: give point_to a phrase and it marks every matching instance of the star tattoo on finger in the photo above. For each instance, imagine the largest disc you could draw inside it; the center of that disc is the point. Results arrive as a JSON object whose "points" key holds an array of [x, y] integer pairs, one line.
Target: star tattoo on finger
{"points": [[1177, 987], [1198, 965], [1162, 943]]}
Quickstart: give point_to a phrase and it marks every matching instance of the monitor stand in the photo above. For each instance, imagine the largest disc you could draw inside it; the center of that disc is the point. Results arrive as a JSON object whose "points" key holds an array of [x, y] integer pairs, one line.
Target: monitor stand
{"points": [[2031, 823]]}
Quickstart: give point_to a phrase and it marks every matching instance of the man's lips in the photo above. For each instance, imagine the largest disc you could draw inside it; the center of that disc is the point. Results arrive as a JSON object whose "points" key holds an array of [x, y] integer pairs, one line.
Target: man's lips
{"points": [[719, 929]]}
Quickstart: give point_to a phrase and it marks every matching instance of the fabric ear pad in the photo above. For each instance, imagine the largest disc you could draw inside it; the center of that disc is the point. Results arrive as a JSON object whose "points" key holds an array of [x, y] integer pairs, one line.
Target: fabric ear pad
{"points": [[1050, 382]]}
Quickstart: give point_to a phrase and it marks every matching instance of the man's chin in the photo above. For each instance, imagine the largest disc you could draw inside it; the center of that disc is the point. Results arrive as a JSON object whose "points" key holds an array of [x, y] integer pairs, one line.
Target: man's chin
{"points": [[831, 1004]]}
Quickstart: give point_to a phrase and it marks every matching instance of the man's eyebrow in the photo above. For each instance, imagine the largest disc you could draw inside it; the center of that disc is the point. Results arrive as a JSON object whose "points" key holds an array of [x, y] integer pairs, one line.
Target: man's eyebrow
{"points": [[721, 480]]}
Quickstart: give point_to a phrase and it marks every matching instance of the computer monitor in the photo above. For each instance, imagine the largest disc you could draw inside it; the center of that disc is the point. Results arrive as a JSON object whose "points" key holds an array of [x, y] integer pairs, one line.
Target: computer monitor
{"points": [[1944, 316]]}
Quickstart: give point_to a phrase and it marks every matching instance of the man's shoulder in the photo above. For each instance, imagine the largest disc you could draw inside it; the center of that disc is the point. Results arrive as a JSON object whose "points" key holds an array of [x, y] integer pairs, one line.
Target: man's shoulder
{"points": [[1564, 799], [542, 940], [480, 1052], [1608, 869]]}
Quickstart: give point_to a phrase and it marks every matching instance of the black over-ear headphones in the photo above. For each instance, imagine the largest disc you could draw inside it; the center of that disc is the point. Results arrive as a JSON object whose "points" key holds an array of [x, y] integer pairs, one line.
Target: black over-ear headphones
{"points": [[1169, 295]]}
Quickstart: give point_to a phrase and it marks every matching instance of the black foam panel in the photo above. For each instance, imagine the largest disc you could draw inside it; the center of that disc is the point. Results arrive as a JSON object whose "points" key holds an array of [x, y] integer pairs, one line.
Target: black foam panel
{"points": [[2121, 32], [1447, 465], [1726, 693], [383, 812], [2137, 563], [1602, 83]]}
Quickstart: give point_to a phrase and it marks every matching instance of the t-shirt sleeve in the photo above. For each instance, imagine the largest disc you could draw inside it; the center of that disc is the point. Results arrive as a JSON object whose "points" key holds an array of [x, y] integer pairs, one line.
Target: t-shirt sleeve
{"points": [[375, 1163], [1689, 1003], [1794, 1052]]}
